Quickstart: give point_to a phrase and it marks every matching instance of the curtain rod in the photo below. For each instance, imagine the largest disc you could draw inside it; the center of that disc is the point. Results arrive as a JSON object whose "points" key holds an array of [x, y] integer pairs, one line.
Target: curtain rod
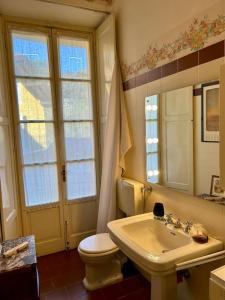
{"points": [[76, 6]]}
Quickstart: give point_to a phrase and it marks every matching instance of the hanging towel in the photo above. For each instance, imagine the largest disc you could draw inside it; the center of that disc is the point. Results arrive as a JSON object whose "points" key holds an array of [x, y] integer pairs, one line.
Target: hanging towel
{"points": [[116, 144]]}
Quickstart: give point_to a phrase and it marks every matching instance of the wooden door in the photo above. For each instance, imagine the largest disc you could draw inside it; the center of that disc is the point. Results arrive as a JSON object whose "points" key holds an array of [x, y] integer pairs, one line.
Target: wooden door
{"points": [[177, 139]]}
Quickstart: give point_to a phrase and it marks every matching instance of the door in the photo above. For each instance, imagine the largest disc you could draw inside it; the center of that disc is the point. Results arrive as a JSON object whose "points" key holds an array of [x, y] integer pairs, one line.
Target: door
{"points": [[222, 126], [54, 120], [75, 88], [9, 215], [177, 139]]}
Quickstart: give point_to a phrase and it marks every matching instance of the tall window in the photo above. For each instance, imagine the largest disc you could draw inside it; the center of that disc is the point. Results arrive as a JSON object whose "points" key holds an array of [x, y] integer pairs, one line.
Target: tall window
{"points": [[152, 138], [54, 104], [76, 94]]}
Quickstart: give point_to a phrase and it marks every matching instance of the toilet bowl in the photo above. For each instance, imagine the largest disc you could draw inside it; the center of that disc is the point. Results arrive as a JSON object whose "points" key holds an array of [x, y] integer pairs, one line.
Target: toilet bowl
{"points": [[102, 260]]}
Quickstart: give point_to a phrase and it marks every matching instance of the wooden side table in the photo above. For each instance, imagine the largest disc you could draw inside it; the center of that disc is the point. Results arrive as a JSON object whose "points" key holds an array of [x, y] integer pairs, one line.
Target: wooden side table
{"points": [[18, 274]]}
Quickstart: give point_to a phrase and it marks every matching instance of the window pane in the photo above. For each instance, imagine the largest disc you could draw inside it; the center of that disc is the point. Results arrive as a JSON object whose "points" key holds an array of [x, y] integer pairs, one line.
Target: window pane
{"points": [[30, 51], [74, 58], [77, 101], [81, 180], [34, 99], [38, 143], [79, 140], [41, 184]]}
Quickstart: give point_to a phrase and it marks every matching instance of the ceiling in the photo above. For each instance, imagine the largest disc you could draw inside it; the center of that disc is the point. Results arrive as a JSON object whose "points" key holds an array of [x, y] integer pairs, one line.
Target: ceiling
{"points": [[62, 11], [107, 1], [96, 5]]}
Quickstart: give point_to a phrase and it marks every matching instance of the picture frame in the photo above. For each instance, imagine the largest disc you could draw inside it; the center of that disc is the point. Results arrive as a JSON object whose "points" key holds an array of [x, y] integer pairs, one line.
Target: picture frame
{"points": [[210, 112], [216, 189]]}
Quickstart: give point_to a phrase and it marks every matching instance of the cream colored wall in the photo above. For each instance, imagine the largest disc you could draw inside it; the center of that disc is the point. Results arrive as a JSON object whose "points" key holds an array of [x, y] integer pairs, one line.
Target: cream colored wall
{"points": [[126, 15], [206, 159], [152, 22], [182, 205], [152, 18], [138, 25]]}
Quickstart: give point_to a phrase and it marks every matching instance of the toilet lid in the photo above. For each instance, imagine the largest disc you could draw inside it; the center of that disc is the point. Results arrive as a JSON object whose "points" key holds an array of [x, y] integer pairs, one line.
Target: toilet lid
{"points": [[97, 243]]}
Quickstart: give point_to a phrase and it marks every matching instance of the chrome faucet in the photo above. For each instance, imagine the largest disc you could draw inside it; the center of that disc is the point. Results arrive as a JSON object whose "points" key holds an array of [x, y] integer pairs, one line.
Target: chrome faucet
{"points": [[169, 219], [178, 224], [187, 226]]}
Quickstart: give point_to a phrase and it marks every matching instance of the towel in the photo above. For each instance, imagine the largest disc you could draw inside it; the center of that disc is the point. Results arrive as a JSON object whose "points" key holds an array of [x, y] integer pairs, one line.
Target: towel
{"points": [[199, 233]]}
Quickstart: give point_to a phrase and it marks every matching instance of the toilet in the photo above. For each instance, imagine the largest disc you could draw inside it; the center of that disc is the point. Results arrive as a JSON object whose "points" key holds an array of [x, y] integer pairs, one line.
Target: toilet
{"points": [[103, 259]]}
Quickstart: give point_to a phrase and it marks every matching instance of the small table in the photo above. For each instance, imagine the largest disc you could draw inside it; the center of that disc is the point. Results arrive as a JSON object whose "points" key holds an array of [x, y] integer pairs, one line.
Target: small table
{"points": [[18, 274]]}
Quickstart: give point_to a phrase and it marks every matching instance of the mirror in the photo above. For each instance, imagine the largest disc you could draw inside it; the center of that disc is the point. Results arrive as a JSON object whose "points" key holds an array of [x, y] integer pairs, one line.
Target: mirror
{"points": [[182, 140]]}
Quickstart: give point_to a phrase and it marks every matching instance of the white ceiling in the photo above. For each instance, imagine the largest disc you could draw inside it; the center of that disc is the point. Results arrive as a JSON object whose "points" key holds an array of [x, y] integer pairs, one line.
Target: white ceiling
{"points": [[97, 5], [47, 11]]}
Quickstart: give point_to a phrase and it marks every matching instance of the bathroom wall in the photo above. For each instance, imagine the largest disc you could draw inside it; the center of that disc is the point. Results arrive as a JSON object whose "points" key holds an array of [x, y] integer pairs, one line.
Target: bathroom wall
{"points": [[148, 26], [132, 43], [141, 28]]}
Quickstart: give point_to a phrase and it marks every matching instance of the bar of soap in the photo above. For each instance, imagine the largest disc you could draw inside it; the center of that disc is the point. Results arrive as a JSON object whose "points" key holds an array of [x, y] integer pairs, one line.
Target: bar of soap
{"points": [[199, 233], [22, 246], [202, 239], [16, 249]]}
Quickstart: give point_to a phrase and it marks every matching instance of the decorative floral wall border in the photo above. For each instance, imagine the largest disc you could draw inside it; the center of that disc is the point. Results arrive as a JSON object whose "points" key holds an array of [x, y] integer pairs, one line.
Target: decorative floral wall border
{"points": [[193, 38]]}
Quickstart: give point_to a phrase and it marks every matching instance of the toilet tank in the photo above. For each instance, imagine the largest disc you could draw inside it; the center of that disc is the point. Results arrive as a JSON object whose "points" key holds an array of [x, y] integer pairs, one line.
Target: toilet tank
{"points": [[130, 197]]}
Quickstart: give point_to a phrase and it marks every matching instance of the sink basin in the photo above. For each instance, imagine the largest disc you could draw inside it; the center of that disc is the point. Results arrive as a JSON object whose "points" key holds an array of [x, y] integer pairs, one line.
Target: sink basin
{"points": [[157, 248], [153, 236]]}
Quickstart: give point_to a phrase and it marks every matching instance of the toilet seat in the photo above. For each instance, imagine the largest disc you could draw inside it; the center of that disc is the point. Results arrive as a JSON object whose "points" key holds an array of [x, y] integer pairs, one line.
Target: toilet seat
{"points": [[98, 243]]}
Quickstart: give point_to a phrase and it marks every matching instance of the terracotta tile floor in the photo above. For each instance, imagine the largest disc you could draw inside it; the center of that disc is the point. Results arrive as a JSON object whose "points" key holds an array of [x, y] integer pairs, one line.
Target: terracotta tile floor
{"points": [[61, 277]]}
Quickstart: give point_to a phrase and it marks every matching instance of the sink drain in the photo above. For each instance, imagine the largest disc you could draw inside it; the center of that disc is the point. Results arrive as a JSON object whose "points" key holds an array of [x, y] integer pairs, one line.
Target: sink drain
{"points": [[165, 250]]}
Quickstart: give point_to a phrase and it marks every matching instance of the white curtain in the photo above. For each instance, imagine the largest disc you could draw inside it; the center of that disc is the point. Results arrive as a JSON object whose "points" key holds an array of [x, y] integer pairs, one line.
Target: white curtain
{"points": [[116, 144]]}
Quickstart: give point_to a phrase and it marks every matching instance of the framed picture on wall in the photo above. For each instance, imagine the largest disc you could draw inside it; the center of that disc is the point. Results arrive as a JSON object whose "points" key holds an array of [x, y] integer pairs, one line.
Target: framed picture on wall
{"points": [[210, 112], [216, 189]]}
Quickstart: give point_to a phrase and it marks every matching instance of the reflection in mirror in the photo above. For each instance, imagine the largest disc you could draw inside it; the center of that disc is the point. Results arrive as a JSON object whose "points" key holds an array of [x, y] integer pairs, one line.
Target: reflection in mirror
{"points": [[177, 156], [152, 138]]}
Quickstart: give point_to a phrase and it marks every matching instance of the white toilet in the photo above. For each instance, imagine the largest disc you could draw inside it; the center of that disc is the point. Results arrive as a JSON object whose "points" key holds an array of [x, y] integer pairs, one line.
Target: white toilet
{"points": [[103, 259]]}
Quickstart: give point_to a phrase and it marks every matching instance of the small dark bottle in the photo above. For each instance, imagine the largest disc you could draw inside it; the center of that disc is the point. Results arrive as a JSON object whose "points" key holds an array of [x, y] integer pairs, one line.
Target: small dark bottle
{"points": [[158, 210]]}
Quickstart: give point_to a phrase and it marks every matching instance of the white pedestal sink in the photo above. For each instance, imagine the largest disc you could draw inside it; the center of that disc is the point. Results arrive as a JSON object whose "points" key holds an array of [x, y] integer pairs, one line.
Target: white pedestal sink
{"points": [[156, 249]]}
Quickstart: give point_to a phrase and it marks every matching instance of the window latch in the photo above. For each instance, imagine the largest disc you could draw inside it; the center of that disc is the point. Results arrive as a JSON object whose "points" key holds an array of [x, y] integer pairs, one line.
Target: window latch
{"points": [[63, 173]]}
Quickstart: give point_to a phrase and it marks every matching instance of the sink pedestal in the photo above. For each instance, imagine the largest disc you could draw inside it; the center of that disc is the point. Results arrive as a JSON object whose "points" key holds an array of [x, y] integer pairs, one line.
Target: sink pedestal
{"points": [[164, 287]]}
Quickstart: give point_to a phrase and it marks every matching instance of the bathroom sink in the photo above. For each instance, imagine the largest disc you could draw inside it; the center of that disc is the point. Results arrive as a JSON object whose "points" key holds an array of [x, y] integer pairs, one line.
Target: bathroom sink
{"points": [[157, 248], [153, 236]]}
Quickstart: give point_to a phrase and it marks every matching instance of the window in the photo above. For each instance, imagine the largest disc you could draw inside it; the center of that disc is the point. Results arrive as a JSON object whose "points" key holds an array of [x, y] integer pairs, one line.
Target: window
{"points": [[36, 121], [54, 103], [76, 95], [152, 138]]}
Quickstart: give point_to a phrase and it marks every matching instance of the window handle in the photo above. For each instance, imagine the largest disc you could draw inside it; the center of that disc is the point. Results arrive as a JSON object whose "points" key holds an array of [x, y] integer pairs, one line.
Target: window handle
{"points": [[63, 173]]}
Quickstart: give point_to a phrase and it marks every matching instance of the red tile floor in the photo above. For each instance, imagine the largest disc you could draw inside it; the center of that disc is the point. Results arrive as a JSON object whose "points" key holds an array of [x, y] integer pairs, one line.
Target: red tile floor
{"points": [[61, 277]]}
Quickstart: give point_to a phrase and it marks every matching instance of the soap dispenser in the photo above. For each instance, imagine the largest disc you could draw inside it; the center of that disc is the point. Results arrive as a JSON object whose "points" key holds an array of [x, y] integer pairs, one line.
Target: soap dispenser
{"points": [[158, 211]]}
